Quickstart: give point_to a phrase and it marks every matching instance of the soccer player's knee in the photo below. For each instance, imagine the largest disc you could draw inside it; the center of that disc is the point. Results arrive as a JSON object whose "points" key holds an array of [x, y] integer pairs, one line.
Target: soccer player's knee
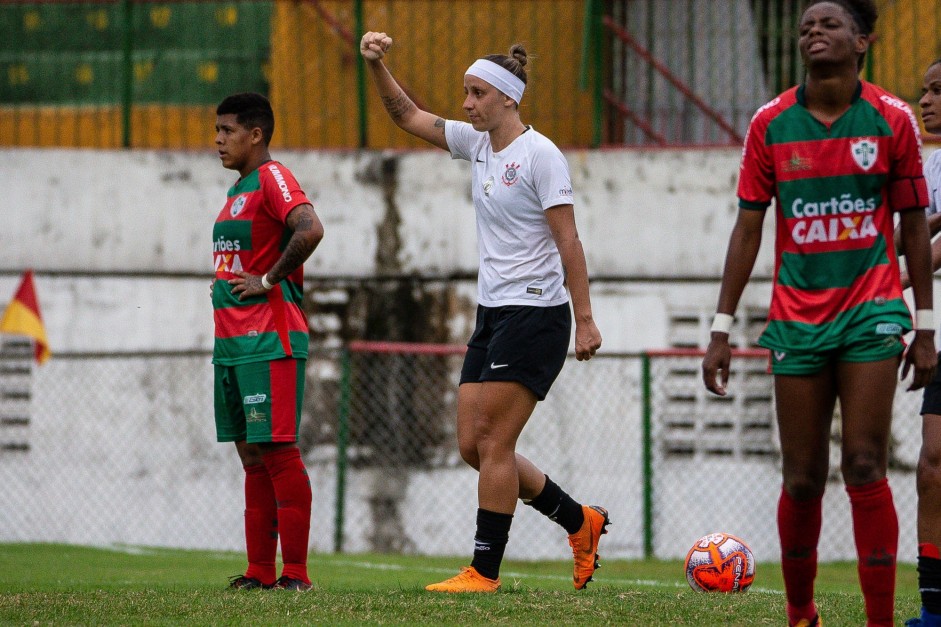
{"points": [[930, 453], [862, 468], [469, 454], [929, 471], [804, 488], [249, 454]]}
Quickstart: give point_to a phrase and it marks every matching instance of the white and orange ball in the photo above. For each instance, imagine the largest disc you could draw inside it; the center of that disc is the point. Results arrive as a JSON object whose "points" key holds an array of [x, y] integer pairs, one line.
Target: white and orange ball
{"points": [[720, 562]]}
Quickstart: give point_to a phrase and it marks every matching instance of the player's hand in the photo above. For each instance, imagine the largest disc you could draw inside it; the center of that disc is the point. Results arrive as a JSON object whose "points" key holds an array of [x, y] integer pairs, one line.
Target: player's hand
{"points": [[374, 46], [715, 364], [247, 285], [587, 340], [923, 357]]}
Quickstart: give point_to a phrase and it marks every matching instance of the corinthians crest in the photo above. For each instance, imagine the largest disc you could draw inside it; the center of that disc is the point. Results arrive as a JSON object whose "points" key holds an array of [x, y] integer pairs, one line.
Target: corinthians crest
{"points": [[510, 174], [865, 152]]}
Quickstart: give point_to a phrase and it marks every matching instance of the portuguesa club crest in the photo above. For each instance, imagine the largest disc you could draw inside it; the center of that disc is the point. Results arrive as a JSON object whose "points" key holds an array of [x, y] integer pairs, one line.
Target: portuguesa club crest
{"points": [[237, 205], [865, 152]]}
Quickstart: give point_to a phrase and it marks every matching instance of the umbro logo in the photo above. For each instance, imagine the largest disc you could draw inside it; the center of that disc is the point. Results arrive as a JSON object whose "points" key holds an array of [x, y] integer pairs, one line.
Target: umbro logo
{"points": [[779, 355]]}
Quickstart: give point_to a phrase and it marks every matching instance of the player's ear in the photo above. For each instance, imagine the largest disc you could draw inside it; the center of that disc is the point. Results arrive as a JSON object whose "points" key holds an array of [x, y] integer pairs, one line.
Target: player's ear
{"points": [[862, 43], [257, 136]]}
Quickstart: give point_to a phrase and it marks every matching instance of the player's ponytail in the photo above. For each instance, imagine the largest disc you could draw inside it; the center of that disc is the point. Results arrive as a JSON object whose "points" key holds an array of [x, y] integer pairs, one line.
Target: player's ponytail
{"points": [[515, 62]]}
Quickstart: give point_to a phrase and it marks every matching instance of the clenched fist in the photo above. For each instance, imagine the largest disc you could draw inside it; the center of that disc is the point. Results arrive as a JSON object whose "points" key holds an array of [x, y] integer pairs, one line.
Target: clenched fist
{"points": [[374, 46]]}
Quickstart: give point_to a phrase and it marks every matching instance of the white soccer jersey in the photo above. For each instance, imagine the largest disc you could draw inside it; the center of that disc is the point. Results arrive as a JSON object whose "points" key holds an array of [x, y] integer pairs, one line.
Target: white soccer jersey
{"points": [[932, 169], [933, 178], [519, 261]]}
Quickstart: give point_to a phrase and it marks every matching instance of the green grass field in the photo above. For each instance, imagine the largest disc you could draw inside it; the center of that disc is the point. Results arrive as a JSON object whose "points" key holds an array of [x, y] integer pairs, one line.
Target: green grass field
{"points": [[60, 585]]}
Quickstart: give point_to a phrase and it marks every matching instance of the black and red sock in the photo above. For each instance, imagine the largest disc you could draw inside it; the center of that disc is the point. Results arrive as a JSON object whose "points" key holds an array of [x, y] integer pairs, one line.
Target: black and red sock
{"points": [[929, 577]]}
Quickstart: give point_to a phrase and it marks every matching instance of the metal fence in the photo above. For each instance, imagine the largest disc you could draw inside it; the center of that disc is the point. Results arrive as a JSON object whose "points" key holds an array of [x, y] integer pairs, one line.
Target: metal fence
{"points": [[120, 449], [148, 73]]}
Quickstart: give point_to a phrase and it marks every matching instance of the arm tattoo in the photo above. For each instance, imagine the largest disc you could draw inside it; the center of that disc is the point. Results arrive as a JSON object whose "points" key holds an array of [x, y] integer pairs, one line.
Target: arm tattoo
{"points": [[300, 220], [293, 256], [303, 223], [439, 123], [398, 106]]}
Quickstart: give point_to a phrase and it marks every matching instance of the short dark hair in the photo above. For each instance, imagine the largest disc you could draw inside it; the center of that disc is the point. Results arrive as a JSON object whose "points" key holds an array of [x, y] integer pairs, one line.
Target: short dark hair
{"points": [[864, 14], [251, 111]]}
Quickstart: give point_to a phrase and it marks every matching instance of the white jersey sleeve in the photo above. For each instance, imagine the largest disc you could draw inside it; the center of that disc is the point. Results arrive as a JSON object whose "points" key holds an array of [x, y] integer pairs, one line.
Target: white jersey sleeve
{"points": [[551, 176], [462, 139], [933, 178]]}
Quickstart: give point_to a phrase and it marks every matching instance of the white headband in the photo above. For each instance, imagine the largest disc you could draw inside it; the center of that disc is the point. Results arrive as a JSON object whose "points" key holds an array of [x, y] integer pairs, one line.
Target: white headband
{"points": [[498, 76]]}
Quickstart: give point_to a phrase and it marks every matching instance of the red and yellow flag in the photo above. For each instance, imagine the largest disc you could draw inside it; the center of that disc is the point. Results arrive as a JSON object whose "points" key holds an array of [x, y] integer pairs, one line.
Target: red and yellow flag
{"points": [[22, 317]]}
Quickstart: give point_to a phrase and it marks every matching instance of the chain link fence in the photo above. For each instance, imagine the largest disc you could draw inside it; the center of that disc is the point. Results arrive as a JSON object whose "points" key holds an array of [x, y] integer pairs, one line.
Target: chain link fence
{"points": [[716, 463], [120, 449]]}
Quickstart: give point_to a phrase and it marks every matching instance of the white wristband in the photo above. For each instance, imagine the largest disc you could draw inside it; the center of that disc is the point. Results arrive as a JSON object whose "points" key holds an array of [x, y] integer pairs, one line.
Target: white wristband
{"points": [[722, 323], [264, 282], [924, 320]]}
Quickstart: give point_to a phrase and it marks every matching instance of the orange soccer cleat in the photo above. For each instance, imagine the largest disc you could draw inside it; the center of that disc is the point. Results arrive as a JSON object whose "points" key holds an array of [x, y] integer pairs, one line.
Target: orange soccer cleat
{"points": [[584, 543], [468, 580]]}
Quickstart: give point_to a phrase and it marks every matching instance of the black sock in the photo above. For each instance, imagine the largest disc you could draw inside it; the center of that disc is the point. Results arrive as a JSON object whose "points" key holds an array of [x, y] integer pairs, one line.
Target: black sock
{"points": [[929, 583], [493, 531], [559, 507]]}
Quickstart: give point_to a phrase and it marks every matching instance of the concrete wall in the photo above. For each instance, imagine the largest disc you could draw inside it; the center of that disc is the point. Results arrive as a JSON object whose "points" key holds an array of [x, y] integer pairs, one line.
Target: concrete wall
{"points": [[652, 213], [129, 222]]}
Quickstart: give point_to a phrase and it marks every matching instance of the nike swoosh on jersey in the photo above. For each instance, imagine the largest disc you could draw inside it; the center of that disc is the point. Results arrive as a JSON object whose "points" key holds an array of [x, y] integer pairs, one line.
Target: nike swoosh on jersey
{"points": [[494, 365]]}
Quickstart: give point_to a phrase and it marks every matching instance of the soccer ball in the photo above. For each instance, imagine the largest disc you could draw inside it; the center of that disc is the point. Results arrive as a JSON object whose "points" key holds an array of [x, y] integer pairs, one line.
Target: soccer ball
{"points": [[720, 562]]}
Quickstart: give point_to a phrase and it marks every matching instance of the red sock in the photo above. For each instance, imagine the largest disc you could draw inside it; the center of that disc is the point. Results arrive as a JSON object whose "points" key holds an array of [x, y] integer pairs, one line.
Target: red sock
{"points": [[876, 529], [799, 529], [292, 488], [261, 524], [926, 549]]}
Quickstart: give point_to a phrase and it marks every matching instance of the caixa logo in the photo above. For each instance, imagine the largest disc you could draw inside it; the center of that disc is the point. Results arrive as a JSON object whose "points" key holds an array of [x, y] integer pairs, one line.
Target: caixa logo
{"points": [[812, 230]]}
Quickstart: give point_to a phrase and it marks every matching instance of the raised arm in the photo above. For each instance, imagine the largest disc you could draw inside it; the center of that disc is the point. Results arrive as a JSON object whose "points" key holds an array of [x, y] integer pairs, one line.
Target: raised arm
{"points": [[406, 115]]}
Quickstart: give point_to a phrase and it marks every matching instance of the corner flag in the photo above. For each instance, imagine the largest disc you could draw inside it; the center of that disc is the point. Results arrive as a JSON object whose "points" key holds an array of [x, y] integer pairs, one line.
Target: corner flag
{"points": [[22, 317]]}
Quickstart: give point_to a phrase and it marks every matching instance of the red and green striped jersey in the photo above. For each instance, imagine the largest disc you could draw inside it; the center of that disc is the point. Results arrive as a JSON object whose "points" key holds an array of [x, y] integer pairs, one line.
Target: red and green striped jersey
{"points": [[835, 188], [250, 234]]}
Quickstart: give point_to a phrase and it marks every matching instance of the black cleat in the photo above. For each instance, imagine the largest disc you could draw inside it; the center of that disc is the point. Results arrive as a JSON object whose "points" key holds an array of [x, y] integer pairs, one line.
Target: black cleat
{"points": [[289, 583], [241, 582]]}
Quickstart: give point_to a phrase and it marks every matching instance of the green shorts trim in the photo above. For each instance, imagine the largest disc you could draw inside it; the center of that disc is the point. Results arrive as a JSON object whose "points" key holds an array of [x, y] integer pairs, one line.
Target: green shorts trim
{"points": [[874, 348], [259, 402]]}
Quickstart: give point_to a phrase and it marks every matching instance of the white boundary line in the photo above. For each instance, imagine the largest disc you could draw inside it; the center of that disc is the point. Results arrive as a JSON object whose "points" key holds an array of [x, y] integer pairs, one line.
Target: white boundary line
{"points": [[649, 583], [646, 583]]}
